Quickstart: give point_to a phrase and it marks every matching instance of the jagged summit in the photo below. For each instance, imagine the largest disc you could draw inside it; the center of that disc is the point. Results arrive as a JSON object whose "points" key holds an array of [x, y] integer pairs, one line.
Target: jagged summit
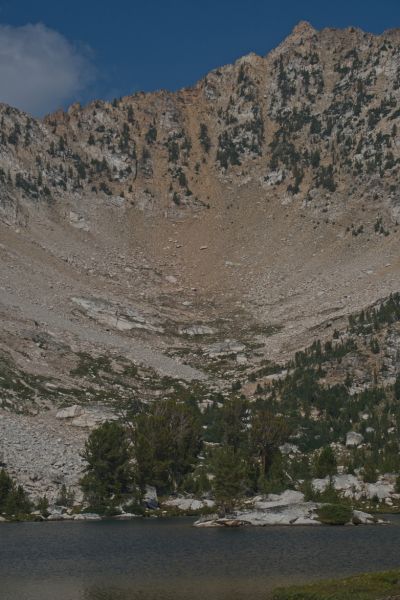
{"points": [[301, 33], [303, 28]]}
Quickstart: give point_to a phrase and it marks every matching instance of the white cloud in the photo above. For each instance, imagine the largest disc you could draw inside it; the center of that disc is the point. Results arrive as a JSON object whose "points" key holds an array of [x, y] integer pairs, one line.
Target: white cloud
{"points": [[40, 70]]}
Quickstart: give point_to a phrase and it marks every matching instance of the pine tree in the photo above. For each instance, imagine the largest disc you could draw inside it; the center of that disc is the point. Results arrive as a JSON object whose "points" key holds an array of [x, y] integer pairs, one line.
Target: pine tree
{"points": [[268, 432], [14, 500], [166, 442], [109, 472], [325, 463], [230, 477]]}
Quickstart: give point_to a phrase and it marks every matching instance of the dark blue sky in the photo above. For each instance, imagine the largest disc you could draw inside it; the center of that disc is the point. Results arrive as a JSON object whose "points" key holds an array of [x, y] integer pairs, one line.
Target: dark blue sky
{"points": [[172, 43]]}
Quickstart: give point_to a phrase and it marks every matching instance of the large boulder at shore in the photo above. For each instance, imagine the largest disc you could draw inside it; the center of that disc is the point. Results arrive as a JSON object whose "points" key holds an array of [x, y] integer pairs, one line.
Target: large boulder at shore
{"points": [[61, 517], [216, 522], [87, 517], [363, 518]]}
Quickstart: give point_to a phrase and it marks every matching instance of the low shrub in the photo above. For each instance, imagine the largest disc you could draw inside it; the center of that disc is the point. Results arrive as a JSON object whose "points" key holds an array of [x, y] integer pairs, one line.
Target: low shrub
{"points": [[334, 514]]}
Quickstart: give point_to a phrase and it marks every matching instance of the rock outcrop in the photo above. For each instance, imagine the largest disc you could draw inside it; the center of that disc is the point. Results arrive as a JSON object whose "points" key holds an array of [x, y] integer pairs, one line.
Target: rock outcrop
{"points": [[289, 508]]}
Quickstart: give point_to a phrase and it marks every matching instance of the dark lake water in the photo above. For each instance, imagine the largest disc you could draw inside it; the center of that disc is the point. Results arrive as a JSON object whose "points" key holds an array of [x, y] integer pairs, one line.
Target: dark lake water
{"points": [[171, 560]]}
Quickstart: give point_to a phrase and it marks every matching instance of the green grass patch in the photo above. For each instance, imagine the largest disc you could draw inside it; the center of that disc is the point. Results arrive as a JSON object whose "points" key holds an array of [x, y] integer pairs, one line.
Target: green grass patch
{"points": [[370, 586]]}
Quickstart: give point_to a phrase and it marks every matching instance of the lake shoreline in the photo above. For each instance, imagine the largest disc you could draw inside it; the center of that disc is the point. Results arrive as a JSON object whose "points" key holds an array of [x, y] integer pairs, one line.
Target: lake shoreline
{"points": [[289, 508]]}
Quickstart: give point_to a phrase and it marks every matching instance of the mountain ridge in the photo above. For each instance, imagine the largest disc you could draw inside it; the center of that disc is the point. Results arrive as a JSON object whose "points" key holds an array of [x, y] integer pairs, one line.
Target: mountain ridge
{"points": [[262, 149], [200, 235]]}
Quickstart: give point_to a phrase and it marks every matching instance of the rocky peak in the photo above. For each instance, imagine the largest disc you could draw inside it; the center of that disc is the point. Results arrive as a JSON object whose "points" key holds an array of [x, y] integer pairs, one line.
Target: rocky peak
{"points": [[303, 29], [302, 32]]}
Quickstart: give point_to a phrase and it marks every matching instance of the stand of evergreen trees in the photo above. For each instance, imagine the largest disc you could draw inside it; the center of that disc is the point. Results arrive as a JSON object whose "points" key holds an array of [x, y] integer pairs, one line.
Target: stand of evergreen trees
{"points": [[163, 445], [14, 501]]}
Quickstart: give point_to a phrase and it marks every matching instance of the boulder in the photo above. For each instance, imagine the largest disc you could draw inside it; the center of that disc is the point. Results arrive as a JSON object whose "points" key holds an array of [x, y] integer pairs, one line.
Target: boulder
{"points": [[188, 504], [221, 522], [354, 439], [380, 490], [232, 522], [57, 513], [306, 521], [287, 498], [363, 518], [288, 449], [70, 412], [195, 330], [87, 517], [348, 485], [38, 516], [55, 517], [320, 485], [209, 524]]}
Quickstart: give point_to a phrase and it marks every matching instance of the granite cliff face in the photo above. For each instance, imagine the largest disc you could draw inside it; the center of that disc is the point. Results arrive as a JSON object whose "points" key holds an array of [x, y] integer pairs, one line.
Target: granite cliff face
{"points": [[167, 238]]}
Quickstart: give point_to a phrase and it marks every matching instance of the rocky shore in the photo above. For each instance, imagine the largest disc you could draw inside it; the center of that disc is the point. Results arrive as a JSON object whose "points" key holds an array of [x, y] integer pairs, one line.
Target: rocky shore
{"points": [[288, 508]]}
